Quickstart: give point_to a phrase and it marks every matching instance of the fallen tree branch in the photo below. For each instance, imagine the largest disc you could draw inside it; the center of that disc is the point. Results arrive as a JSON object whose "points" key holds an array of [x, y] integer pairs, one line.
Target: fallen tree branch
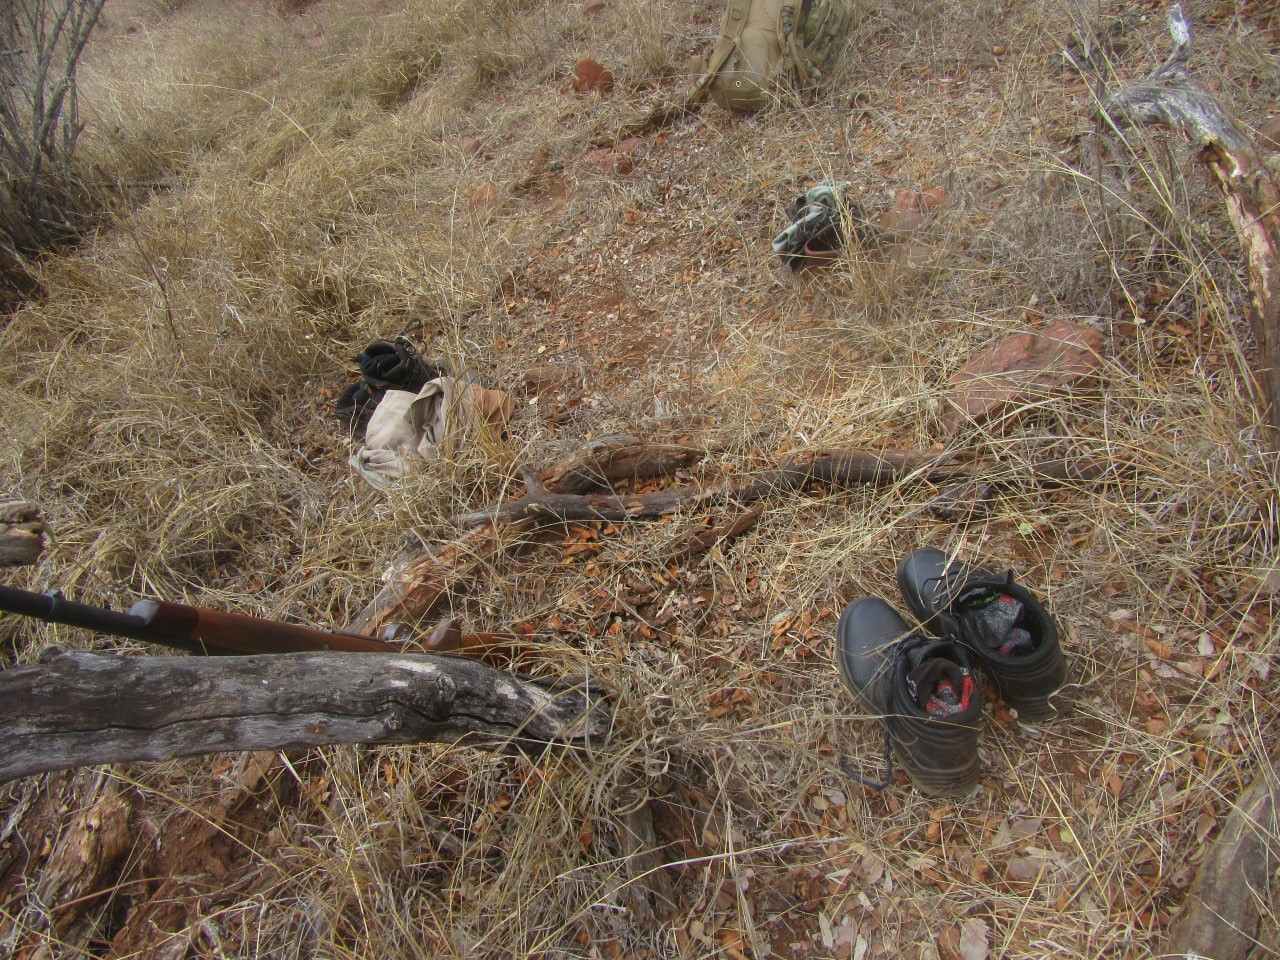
{"points": [[841, 468], [850, 467], [598, 464], [75, 709], [418, 582], [1170, 95]]}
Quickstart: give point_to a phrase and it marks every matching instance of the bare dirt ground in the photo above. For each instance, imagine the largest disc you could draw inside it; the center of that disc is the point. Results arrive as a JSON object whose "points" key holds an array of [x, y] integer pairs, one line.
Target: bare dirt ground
{"points": [[296, 180]]}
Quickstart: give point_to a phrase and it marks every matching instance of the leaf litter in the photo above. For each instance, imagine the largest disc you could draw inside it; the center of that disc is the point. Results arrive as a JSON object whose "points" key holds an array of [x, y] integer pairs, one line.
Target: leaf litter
{"points": [[641, 299]]}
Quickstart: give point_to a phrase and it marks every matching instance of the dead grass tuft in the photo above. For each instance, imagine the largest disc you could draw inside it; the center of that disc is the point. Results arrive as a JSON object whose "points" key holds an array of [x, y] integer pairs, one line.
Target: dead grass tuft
{"points": [[289, 189]]}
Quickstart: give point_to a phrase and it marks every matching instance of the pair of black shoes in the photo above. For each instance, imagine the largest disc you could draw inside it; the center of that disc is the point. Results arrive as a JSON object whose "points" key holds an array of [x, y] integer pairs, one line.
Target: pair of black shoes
{"points": [[923, 684]]}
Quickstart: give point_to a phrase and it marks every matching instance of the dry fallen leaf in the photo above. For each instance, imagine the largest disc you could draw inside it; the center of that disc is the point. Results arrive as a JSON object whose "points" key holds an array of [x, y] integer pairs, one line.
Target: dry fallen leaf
{"points": [[589, 77], [973, 940]]}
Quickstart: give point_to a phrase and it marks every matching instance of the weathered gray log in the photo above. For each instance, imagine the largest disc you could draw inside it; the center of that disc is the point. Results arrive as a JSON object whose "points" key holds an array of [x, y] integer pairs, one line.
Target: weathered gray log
{"points": [[21, 533], [1169, 95], [75, 709], [1231, 887]]}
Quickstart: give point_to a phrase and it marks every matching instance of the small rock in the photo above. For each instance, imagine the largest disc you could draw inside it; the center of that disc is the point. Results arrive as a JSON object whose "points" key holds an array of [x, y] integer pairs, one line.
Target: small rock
{"points": [[904, 217], [470, 146], [1269, 134], [590, 77], [1022, 369], [593, 8], [629, 146], [934, 197], [610, 160], [540, 379]]}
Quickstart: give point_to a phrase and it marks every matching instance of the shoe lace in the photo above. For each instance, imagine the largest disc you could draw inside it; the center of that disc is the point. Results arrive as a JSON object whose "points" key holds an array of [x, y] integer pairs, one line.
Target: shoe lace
{"points": [[876, 785], [898, 654]]}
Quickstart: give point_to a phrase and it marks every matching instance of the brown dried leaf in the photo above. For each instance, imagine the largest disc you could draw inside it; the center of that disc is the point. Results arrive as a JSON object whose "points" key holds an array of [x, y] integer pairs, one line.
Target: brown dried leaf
{"points": [[973, 940], [590, 77]]}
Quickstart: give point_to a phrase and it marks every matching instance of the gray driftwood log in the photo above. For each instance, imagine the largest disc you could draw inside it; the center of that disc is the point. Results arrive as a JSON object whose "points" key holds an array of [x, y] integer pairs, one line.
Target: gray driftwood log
{"points": [[78, 709], [1232, 886]]}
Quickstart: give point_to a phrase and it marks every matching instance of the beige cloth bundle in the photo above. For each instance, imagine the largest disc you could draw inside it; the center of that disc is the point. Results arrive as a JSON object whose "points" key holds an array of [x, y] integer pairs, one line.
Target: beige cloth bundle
{"points": [[438, 421]]}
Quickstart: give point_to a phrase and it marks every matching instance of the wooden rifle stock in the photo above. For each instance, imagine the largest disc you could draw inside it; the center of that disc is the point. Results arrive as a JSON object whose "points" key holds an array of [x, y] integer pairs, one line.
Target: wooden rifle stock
{"points": [[202, 630]]}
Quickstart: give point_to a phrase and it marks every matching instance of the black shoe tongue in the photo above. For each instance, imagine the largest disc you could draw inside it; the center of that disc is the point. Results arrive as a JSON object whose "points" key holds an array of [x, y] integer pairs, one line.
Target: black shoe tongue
{"points": [[934, 675]]}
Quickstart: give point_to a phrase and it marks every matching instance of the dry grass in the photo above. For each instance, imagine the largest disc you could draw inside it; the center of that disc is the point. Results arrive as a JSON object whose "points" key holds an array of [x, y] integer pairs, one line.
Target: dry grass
{"points": [[288, 189]]}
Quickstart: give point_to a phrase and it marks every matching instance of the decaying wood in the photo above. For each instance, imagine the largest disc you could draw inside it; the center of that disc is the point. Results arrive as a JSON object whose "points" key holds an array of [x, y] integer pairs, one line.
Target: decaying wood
{"points": [[848, 467], [648, 887], [75, 709], [970, 497], [598, 464], [85, 853], [1170, 95], [689, 544], [1223, 908], [840, 468], [21, 533], [159, 923], [418, 582], [1231, 887]]}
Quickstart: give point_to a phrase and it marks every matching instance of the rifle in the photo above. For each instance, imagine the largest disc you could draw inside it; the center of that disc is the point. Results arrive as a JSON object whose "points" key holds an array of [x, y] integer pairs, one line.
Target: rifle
{"points": [[200, 630]]}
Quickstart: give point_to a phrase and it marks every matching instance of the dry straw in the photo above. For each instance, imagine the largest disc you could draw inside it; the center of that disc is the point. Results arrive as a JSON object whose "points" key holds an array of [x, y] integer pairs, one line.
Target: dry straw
{"points": [[287, 188]]}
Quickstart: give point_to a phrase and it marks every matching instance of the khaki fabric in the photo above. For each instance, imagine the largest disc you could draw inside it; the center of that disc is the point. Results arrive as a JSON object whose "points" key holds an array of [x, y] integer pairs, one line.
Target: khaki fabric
{"points": [[755, 58], [438, 421], [766, 45]]}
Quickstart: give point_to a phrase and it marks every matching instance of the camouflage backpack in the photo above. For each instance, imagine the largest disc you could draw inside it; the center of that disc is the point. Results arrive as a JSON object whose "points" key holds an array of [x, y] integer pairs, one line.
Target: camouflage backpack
{"points": [[768, 44]]}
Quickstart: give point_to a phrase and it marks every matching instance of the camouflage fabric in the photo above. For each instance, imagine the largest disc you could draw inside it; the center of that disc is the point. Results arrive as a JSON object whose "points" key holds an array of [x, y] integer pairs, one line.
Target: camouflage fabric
{"points": [[815, 38]]}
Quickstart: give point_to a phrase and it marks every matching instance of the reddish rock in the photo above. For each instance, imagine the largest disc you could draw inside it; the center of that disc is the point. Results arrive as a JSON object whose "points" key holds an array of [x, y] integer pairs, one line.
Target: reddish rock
{"points": [[934, 197], [903, 217], [590, 77], [542, 379], [610, 160], [628, 146], [1023, 369], [470, 146], [593, 8]]}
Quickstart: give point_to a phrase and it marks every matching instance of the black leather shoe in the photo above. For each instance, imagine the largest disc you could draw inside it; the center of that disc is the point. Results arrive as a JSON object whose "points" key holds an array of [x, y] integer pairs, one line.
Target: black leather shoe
{"points": [[923, 689], [1001, 622]]}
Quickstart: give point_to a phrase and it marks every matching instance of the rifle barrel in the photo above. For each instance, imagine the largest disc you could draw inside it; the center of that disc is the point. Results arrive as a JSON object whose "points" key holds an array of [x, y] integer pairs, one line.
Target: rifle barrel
{"points": [[194, 629]]}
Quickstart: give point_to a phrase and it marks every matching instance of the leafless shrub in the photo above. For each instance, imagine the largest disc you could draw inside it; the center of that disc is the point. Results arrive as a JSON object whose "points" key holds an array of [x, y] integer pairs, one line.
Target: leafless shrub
{"points": [[40, 46]]}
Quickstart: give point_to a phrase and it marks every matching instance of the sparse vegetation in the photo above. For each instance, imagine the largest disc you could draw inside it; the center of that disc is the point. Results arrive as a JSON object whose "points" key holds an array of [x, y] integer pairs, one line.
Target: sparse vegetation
{"points": [[41, 198], [297, 186]]}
